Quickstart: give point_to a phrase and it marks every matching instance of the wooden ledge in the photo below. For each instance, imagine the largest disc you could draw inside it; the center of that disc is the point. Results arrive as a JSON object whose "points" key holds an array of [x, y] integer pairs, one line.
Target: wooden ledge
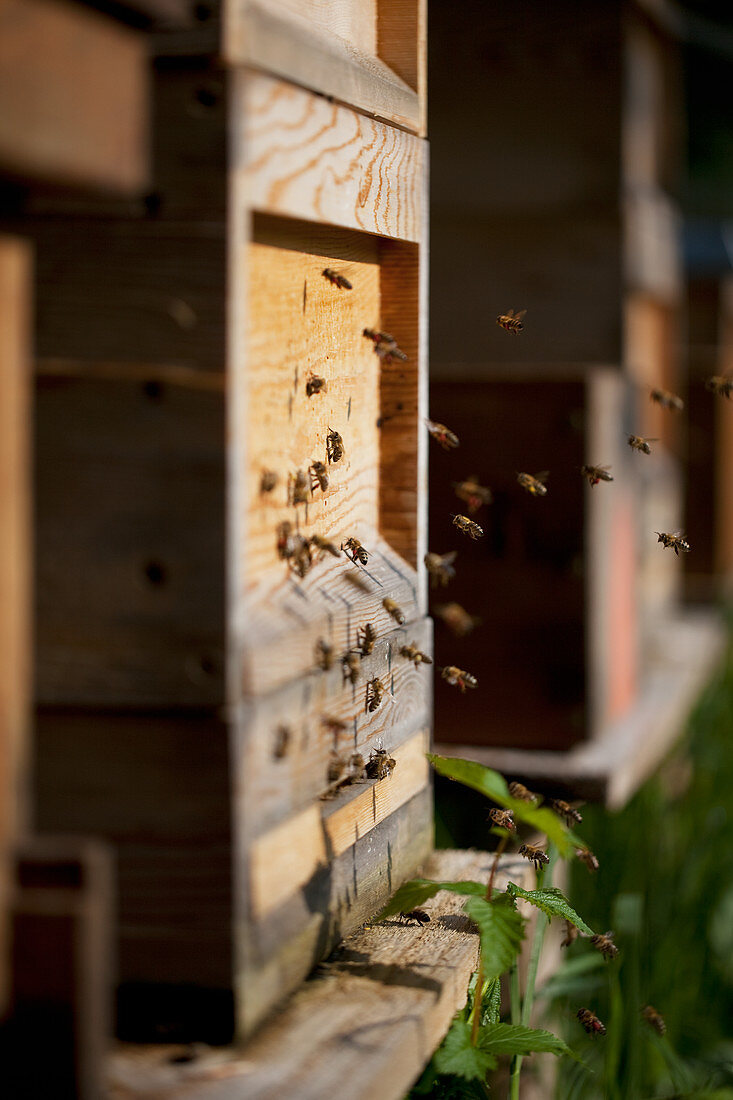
{"points": [[370, 1017]]}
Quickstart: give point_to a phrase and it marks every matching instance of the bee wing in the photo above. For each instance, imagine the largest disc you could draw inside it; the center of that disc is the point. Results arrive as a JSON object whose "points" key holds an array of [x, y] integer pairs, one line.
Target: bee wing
{"points": [[448, 559], [542, 477], [518, 316]]}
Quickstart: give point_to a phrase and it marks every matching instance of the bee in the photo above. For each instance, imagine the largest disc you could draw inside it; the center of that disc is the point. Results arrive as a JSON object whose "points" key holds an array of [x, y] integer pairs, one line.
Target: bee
{"points": [[594, 474], [285, 541], [385, 345], [565, 810], [350, 663], [456, 618], [324, 654], [338, 280], [463, 523], [639, 443], [586, 856], [358, 581], [334, 446], [535, 486], [511, 321], [518, 790], [667, 400], [268, 481], [366, 636], [473, 493], [283, 736], [302, 558], [380, 764], [447, 439], [502, 818], [654, 1019], [358, 553], [315, 384], [336, 765], [720, 384], [440, 567], [318, 476], [603, 942], [375, 689], [456, 677], [534, 855], [418, 915], [415, 655], [357, 768], [571, 934], [325, 546], [392, 609], [675, 542], [590, 1022], [298, 488]]}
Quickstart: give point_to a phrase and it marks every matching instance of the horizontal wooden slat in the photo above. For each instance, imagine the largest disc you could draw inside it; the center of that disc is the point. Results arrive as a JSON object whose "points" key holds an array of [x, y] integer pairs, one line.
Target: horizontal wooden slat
{"points": [[74, 91]]}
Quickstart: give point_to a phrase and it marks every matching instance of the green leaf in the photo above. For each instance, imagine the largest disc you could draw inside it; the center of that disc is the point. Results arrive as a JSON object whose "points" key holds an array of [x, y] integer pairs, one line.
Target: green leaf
{"points": [[501, 930], [517, 1039], [458, 1056], [414, 893], [491, 1006], [552, 902]]}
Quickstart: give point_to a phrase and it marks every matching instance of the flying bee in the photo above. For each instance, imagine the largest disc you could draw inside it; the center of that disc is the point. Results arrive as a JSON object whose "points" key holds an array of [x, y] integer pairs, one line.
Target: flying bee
{"points": [[456, 618], [350, 663], [676, 542], [283, 736], [378, 337], [285, 541], [535, 486], [456, 677], [440, 567], [534, 855], [473, 493], [366, 636], [588, 858], [325, 546], [380, 764], [590, 1022], [375, 689], [415, 655], [302, 558], [447, 439], [564, 810], [720, 384], [639, 443], [594, 474], [298, 488], [667, 400], [334, 446], [358, 553], [511, 321], [463, 523], [503, 818], [654, 1019], [338, 280], [268, 481], [315, 384], [418, 915], [518, 790], [324, 654], [318, 476], [385, 345], [603, 942], [571, 934], [392, 609]]}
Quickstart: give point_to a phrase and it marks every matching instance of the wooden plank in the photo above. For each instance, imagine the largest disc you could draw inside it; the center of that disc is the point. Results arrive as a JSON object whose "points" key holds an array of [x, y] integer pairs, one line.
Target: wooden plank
{"points": [[15, 553], [652, 231], [74, 91]]}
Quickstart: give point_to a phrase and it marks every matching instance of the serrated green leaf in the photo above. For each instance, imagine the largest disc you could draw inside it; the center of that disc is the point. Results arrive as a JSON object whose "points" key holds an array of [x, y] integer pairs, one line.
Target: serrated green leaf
{"points": [[458, 1056], [501, 930], [552, 902], [414, 893], [491, 1007], [517, 1039]]}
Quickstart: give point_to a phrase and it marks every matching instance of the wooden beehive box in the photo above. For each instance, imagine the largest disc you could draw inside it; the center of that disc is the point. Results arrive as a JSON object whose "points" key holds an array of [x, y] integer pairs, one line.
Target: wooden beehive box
{"points": [[181, 711]]}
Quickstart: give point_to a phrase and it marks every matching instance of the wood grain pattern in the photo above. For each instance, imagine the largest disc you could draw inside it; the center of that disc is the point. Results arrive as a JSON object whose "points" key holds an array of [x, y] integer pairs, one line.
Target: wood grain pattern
{"points": [[402, 44]]}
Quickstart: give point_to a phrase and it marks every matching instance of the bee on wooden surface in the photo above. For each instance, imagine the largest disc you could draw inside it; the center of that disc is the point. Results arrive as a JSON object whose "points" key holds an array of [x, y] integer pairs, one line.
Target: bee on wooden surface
{"points": [[385, 345], [324, 654], [324, 546], [456, 618], [640, 443], [380, 764], [418, 915], [358, 553], [440, 567], [511, 321], [603, 942], [392, 609], [654, 1019], [338, 280], [268, 481], [676, 542], [503, 818], [442, 435], [298, 488], [564, 810], [463, 523], [571, 934], [415, 655], [375, 690], [456, 677], [334, 446], [534, 855], [518, 790], [318, 476], [285, 540], [535, 485], [473, 493], [302, 558], [667, 400], [594, 474], [366, 636], [720, 385], [590, 1022], [283, 737], [351, 668], [588, 858], [315, 384]]}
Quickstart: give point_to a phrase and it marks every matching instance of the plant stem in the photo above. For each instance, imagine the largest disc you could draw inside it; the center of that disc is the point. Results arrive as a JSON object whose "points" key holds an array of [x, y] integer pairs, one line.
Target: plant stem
{"points": [[478, 995]]}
